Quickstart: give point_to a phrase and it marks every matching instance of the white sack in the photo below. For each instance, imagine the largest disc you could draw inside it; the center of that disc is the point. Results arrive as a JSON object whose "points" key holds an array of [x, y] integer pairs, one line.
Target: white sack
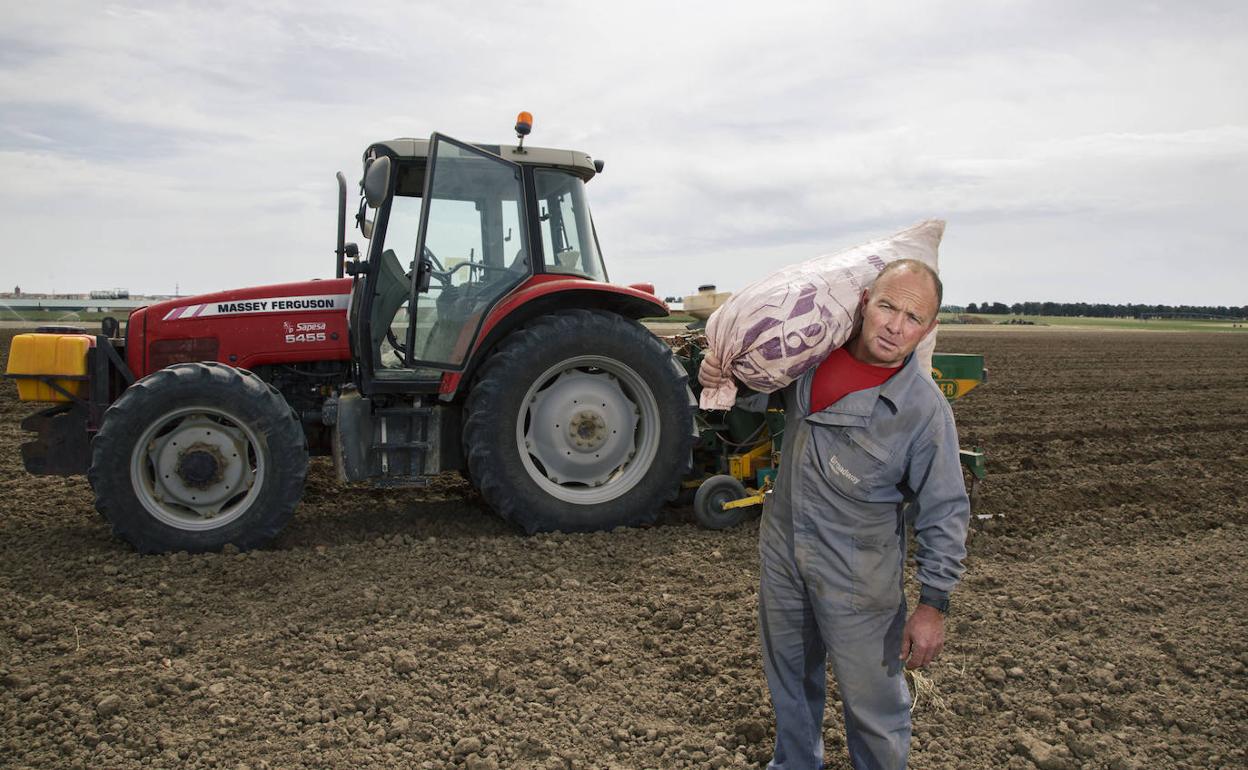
{"points": [[775, 329]]}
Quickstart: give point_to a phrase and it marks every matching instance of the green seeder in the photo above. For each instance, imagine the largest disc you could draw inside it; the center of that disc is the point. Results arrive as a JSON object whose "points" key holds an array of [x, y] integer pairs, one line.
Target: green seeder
{"points": [[738, 450]]}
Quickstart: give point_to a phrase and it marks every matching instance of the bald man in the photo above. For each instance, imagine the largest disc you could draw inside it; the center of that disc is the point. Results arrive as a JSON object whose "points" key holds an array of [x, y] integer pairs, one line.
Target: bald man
{"points": [[869, 444]]}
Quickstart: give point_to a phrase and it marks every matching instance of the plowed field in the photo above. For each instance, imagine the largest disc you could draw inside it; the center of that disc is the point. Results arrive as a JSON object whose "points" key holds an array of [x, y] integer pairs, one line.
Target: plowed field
{"points": [[1102, 623]]}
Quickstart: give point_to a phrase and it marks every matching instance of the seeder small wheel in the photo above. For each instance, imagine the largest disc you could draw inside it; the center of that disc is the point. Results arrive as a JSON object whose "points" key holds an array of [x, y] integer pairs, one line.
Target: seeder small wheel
{"points": [[708, 503]]}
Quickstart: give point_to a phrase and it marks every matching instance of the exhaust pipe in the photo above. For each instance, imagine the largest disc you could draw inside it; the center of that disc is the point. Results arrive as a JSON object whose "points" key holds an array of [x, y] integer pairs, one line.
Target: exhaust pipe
{"points": [[341, 251]]}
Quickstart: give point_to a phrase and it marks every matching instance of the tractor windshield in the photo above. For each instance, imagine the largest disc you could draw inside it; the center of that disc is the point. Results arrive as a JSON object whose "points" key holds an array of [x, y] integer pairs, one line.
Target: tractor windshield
{"points": [[568, 240]]}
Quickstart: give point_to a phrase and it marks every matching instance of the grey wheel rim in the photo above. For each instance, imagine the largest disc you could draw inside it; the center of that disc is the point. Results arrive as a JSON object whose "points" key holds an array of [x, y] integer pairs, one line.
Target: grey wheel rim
{"points": [[197, 468], [588, 429]]}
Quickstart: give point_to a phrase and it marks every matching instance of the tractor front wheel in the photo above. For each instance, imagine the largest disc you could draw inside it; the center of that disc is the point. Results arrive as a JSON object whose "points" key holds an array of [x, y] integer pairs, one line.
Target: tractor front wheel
{"points": [[580, 421], [198, 456]]}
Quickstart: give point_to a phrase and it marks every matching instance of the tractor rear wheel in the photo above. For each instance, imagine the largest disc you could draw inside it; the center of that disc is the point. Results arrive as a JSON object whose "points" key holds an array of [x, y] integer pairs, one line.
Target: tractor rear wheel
{"points": [[198, 456], [579, 421]]}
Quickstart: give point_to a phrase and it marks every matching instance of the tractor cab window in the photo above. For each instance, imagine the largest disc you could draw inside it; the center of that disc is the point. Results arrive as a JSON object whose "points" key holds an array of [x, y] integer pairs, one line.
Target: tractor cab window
{"points": [[472, 244], [463, 238], [568, 240], [394, 280], [403, 225]]}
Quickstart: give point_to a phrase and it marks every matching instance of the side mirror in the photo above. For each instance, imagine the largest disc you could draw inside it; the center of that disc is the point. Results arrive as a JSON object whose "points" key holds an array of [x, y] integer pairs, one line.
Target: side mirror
{"points": [[377, 181], [363, 222]]}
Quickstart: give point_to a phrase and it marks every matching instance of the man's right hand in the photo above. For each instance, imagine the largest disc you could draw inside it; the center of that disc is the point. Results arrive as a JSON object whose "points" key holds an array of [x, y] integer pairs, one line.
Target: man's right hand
{"points": [[710, 373]]}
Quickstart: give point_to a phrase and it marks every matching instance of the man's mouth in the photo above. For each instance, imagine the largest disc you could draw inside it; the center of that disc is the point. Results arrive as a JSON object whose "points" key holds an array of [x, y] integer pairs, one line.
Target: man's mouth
{"points": [[887, 344]]}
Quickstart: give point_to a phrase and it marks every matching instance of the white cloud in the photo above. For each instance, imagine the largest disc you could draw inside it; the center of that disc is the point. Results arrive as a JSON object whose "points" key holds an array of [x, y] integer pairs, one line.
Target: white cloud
{"points": [[1080, 151]]}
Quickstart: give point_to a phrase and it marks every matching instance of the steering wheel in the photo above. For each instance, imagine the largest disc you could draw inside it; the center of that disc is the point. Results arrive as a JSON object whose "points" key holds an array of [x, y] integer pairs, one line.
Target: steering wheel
{"points": [[444, 278], [428, 254], [441, 273]]}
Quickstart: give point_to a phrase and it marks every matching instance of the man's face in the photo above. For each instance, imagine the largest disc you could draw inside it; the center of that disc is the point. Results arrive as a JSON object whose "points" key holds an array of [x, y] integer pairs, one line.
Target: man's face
{"points": [[897, 312]]}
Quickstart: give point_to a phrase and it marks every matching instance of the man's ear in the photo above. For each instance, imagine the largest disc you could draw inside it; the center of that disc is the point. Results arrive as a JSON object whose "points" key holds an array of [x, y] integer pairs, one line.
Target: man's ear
{"points": [[935, 321]]}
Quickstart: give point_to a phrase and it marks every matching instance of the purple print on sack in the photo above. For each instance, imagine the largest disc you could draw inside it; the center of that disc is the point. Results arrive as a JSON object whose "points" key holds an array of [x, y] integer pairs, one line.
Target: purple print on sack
{"points": [[771, 350], [754, 331], [805, 302]]}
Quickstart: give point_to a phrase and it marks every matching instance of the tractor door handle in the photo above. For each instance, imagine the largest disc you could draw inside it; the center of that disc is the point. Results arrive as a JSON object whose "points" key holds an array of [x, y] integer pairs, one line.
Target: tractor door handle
{"points": [[424, 271]]}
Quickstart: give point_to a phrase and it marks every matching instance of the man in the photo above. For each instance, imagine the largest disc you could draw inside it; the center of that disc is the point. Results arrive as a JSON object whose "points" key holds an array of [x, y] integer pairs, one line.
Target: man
{"points": [[869, 443]]}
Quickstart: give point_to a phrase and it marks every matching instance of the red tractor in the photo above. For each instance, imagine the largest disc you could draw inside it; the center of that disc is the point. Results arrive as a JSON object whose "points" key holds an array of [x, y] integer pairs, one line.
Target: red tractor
{"points": [[477, 332]]}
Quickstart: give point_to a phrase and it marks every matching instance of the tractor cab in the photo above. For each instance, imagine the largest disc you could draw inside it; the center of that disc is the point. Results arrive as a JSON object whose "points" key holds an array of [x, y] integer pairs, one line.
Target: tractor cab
{"points": [[453, 229]]}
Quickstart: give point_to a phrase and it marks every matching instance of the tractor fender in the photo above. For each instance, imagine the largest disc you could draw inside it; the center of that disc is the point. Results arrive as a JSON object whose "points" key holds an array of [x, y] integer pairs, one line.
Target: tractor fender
{"points": [[547, 294]]}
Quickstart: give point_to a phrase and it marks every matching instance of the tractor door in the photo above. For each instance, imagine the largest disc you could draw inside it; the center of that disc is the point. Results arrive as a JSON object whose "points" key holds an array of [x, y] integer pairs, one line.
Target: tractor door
{"points": [[471, 249]]}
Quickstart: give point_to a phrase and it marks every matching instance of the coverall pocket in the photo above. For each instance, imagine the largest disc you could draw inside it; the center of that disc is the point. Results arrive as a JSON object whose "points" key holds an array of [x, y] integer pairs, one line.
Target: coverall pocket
{"points": [[850, 460], [876, 569]]}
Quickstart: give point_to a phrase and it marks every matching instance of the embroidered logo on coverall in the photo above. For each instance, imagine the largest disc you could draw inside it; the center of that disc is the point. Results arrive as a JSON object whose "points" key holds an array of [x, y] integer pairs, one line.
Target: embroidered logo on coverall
{"points": [[835, 465]]}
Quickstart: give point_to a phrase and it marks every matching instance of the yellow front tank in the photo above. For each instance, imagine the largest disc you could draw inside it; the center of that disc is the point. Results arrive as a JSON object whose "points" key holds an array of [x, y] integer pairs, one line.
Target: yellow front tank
{"points": [[64, 355]]}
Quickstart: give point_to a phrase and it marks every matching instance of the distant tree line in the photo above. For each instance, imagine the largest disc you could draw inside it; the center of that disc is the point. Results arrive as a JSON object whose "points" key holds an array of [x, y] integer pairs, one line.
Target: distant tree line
{"points": [[1100, 310]]}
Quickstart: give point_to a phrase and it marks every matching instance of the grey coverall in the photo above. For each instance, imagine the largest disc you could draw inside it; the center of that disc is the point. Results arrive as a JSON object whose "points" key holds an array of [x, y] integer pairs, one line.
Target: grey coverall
{"points": [[832, 547]]}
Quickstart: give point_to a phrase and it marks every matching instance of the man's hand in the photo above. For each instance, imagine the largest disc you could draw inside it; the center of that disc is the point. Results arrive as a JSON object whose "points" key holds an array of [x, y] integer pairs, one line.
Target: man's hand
{"points": [[710, 374], [922, 637]]}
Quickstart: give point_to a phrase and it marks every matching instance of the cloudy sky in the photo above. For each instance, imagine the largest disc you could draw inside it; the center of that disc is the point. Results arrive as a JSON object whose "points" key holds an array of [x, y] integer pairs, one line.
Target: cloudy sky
{"points": [[1079, 151]]}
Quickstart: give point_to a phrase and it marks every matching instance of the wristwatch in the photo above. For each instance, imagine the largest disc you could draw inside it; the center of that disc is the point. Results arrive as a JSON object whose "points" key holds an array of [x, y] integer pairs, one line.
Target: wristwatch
{"points": [[934, 597]]}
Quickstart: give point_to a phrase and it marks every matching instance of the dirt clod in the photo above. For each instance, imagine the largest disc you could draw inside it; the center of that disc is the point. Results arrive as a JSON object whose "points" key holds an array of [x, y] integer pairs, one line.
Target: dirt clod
{"points": [[467, 745], [405, 663], [474, 762], [1041, 754], [108, 705]]}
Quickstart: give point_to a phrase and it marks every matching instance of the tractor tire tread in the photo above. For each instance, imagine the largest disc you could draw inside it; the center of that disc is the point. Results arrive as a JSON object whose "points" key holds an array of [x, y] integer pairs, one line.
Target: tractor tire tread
{"points": [[496, 378], [123, 424]]}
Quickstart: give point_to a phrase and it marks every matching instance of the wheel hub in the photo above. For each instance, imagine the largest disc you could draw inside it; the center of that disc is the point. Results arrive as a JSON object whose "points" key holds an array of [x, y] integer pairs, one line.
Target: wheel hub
{"points": [[588, 431], [201, 465], [581, 427]]}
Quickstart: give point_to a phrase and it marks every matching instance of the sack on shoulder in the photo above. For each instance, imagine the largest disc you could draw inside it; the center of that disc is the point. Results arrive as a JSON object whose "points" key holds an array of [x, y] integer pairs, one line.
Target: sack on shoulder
{"points": [[775, 329]]}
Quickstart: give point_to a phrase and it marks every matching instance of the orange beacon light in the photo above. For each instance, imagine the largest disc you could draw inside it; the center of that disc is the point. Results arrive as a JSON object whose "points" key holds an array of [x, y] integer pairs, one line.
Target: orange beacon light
{"points": [[524, 124]]}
